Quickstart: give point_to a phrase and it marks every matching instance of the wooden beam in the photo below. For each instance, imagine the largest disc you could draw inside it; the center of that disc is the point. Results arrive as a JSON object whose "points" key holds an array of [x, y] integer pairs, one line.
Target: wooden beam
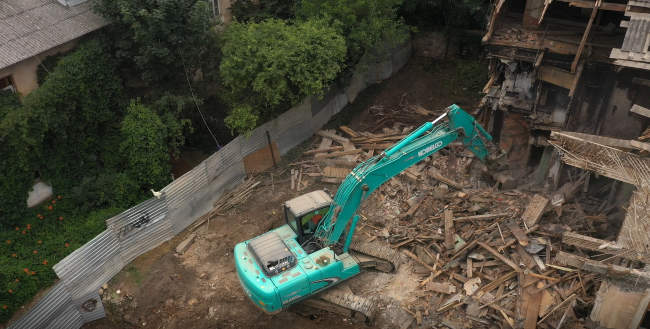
{"points": [[498, 256], [617, 306], [493, 21], [637, 277], [449, 230], [585, 36], [556, 76], [576, 79], [610, 6], [603, 246], [547, 3], [640, 110]]}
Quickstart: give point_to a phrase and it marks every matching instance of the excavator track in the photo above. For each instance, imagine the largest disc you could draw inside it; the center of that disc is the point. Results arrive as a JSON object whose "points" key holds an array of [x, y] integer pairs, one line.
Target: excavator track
{"points": [[375, 256], [341, 300]]}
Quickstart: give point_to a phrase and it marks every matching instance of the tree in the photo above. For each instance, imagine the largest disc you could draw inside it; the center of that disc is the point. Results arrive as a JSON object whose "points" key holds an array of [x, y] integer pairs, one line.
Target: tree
{"points": [[249, 10], [269, 66], [144, 147], [367, 25], [74, 114], [162, 39]]}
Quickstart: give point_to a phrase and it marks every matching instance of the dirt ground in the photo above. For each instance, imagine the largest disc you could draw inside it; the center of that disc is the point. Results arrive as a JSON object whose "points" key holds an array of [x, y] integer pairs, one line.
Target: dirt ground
{"points": [[200, 289]]}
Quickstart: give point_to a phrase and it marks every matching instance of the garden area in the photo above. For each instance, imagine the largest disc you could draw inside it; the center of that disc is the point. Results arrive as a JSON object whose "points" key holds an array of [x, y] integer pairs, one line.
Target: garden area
{"points": [[111, 116]]}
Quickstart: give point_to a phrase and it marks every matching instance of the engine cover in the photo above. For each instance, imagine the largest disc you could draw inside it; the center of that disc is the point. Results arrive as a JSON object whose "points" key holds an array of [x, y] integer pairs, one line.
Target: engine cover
{"points": [[272, 254]]}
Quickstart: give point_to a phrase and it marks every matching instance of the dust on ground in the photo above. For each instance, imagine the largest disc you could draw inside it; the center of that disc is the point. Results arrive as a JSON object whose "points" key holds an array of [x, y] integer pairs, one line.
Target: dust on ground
{"points": [[200, 289]]}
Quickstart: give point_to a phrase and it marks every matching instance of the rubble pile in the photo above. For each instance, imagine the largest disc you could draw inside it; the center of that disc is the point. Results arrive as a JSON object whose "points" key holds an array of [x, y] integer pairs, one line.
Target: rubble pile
{"points": [[483, 257]]}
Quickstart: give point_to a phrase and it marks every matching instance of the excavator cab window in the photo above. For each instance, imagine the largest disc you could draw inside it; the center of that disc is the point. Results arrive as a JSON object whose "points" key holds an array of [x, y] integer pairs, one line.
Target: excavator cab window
{"points": [[305, 225]]}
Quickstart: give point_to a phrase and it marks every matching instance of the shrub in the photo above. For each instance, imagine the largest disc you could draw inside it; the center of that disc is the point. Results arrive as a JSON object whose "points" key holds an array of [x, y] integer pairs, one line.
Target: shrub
{"points": [[269, 66], [144, 147]]}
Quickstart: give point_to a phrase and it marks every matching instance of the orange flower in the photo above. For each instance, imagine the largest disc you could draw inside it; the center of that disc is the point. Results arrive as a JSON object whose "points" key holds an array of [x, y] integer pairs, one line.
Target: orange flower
{"points": [[33, 273], [67, 245], [35, 252], [14, 255], [26, 270], [29, 226], [24, 232], [4, 307], [10, 291], [17, 228], [53, 201], [49, 208], [59, 197], [61, 218], [39, 241], [16, 280], [39, 216], [45, 262], [8, 241]]}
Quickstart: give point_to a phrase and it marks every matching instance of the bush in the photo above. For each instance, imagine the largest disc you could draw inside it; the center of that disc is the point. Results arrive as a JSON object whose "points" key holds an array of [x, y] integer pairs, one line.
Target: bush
{"points": [[43, 237], [269, 66], [144, 147], [367, 25]]}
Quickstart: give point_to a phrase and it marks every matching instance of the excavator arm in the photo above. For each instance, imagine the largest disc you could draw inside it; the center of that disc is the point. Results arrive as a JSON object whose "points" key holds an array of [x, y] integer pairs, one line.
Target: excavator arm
{"points": [[369, 175]]}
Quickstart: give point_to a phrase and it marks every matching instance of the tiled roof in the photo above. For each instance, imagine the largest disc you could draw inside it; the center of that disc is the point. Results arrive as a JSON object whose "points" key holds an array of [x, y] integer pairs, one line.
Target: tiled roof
{"points": [[30, 27]]}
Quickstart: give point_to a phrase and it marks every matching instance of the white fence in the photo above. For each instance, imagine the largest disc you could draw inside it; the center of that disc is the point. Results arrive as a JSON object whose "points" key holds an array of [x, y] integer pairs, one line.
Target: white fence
{"points": [[74, 299]]}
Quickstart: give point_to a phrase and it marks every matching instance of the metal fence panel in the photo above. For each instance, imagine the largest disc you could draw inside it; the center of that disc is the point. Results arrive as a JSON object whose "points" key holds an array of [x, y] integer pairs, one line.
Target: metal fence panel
{"points": [[90, 307], [203, 200], [68, 319], [46, 310], [222, 160], [257, 140], [182, 189], [142, 227], [92, 265]]}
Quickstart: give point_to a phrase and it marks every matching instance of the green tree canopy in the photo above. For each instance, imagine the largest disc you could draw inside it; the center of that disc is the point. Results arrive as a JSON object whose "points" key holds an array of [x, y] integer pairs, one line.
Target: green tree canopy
{"points": [[161, 38], [144, 147], [269, 66], [367, 25]]}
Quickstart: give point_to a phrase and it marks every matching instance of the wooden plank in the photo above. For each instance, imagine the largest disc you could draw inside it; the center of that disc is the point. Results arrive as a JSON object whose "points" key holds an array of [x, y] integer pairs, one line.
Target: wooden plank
{"points": [[337, 154], [640, 110], [332, 136], [547, 3], [449, 229], [531, 307], [519, 234], [534, 210], [613, 271], [480, 217], [556, 76], [576, 79], [335, 172], [498, 256], [619, 307], [603, 246], [442, 287], [324, 150], [433, 172], [349, 131], [261, 159]]}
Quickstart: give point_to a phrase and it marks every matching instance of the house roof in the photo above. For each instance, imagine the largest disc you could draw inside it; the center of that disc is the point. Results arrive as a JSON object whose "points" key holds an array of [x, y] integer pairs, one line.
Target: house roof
{"points": [[31, 27]]}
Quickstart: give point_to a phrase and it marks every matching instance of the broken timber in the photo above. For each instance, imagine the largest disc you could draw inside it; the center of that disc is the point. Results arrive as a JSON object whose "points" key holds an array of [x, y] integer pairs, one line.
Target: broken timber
{"points": [[608, 247]]}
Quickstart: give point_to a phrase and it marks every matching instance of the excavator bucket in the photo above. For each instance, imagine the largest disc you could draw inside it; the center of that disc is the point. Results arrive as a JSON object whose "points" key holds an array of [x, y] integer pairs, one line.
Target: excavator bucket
{"points": [[474, 137]]}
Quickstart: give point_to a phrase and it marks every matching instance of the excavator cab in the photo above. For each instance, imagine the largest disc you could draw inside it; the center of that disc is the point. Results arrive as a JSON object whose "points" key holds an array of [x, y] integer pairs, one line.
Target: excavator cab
{"points": [[303, 213]]}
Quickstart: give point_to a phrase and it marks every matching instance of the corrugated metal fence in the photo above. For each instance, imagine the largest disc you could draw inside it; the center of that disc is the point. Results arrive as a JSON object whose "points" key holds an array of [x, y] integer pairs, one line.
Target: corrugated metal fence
{"points": [[74, 299]]}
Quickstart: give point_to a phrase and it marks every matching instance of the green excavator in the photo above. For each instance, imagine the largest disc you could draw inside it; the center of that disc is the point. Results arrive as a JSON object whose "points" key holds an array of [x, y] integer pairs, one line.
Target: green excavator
{"points": [[314, 250]]}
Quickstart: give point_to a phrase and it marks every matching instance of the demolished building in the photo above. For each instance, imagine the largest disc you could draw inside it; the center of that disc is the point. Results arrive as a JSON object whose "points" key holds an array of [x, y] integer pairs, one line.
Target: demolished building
{"points": [[569, 96]]}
